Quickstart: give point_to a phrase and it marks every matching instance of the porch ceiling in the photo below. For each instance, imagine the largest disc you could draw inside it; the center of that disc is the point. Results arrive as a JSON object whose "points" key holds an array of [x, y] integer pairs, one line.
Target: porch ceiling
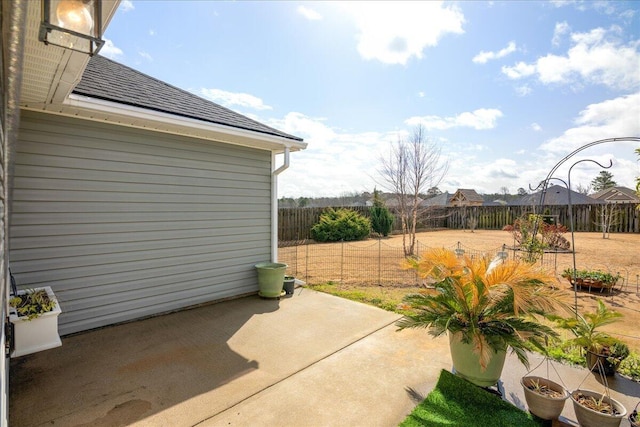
{"points": [[51, 72]]}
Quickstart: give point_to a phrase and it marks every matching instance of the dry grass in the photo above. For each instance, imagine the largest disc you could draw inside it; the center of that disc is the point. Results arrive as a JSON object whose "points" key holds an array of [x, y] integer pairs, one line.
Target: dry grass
{"points": [[351, 276]]}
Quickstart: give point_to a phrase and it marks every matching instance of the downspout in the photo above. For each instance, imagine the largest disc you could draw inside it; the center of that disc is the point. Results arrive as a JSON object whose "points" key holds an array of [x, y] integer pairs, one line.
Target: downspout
{"points": [[274, 201]]}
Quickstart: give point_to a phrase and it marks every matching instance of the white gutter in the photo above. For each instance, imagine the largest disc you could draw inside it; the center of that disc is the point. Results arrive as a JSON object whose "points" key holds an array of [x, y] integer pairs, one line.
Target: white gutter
{"points": [[139, 114], [274, 200]]}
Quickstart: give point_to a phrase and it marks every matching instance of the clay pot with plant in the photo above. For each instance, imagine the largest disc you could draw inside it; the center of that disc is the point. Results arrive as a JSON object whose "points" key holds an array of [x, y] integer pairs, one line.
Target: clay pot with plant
{"points": [[595, 409], [545, 398]]}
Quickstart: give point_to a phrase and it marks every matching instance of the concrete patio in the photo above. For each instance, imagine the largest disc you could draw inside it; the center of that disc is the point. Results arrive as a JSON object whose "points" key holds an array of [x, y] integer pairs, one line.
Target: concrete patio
{"points": [[309, 360]]}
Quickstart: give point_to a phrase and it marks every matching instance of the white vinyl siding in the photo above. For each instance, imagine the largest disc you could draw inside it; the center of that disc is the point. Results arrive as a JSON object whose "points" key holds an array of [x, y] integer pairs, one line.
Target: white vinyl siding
{"points": [[124, 223]]}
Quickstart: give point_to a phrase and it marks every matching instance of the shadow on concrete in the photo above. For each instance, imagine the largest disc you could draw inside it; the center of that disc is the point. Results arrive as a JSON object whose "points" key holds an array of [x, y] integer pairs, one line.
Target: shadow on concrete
{"points": [[121, 374], [620, 384]]}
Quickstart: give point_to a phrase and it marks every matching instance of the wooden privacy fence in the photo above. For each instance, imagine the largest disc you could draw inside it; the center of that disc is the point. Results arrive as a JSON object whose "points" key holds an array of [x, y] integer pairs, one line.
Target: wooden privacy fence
{"points": [[294, 224], [585, 217]]}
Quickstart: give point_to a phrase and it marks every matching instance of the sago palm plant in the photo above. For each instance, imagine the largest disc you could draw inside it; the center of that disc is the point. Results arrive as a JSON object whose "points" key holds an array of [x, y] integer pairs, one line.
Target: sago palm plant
{"points": [[491, 304]]}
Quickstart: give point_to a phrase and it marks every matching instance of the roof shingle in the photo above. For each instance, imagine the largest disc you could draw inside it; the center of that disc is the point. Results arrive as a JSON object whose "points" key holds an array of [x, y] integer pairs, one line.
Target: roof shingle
{"points": [[108, 80]]}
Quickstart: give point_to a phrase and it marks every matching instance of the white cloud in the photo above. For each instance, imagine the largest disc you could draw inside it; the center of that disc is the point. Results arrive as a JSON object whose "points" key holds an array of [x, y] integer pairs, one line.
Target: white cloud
{"points": [[334, 163], [110, 50], [536, 127], [523, 90], [561, 29], [596, 57], [609, 119], [145, 55], [421, 94], [308, 13], [519, 70], [229, 99], [480, 119], [152, 32], [394, 32], [126, 5], [483, 56]]}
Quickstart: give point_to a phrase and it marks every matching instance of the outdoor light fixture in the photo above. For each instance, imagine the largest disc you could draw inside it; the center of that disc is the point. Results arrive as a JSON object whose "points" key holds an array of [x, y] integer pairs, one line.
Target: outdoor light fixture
{"points": [[72, 24]]}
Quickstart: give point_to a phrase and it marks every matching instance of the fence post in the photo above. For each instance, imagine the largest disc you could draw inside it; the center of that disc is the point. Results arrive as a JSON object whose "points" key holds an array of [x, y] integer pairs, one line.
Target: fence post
{"points": [[306, 263], [342, 262], [379, 262]]}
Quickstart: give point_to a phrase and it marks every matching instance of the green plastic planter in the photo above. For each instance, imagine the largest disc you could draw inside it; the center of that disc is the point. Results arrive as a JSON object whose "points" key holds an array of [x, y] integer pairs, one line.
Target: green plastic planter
{"points": [[270, 279], [466, 363]]}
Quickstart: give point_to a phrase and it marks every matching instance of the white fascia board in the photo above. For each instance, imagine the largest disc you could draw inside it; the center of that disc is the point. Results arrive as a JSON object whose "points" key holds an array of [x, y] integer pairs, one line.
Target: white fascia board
{"points": [[162, 120]]}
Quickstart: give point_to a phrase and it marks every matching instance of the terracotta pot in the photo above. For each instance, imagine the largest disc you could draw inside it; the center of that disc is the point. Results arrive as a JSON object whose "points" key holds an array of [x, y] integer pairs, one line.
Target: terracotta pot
{"points": [[540, 405], [589, 418], [466, 363]]}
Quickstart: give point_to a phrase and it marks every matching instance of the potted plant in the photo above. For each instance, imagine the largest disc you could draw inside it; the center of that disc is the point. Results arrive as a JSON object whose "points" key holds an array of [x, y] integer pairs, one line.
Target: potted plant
{"points": [[634, 418], [609, 356], [485, 307], [599, 348], [597, 410], [545, 398], [594, 279], [270, 279], [34, 316], [289, 284]]}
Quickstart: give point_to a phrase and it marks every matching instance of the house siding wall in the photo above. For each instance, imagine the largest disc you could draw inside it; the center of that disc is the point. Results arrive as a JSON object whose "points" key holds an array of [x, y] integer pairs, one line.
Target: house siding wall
{"points": [[125, 223]]}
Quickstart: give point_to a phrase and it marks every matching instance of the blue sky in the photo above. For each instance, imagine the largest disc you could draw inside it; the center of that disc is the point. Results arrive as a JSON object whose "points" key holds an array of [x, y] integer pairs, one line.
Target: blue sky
{"points": [[505, 89]]}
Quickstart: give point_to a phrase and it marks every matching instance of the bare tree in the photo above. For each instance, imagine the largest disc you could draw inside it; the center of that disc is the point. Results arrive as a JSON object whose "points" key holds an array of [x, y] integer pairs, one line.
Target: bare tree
{"points": [[473, 223], [412, 166], [583, 190], [608, 215]]}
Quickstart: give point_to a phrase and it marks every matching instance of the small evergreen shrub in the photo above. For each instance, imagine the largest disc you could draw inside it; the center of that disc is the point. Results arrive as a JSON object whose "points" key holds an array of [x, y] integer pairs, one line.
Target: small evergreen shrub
{"points": [[381, 220], [340, 225]]}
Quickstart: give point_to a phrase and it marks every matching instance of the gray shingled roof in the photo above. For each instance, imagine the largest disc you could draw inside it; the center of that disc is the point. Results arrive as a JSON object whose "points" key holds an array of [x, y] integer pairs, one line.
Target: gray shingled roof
{"points": [[107, 80], [441, 200], [557, 195]]}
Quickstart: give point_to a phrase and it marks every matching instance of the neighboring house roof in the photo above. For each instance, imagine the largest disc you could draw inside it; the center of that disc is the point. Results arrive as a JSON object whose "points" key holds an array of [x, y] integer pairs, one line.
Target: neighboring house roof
{"points": [[442, 200], [556, 195], [108, 80], [617, 195], [466, 196], [394, 201]]}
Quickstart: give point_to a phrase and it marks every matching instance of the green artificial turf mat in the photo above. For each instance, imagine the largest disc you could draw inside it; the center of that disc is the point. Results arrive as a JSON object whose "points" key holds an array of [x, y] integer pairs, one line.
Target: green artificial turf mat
{"points": [[455, 402]]}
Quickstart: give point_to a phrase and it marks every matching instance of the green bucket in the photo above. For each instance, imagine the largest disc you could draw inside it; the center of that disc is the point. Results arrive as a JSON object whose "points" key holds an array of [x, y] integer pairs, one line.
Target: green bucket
{"points": [[270, 279]]}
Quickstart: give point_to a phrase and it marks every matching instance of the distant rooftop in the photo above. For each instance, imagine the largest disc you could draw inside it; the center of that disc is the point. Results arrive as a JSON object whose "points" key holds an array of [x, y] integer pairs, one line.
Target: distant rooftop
{"points": [[557, 195]]}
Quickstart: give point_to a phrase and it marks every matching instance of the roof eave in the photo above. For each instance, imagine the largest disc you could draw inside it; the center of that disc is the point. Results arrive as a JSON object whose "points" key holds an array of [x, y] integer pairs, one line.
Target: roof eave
{"points": [[125, 115]]}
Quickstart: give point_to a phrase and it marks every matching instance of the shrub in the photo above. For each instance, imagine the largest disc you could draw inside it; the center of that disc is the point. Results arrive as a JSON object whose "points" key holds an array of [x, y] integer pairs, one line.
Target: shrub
{"points": [[340, 225], [631, 366], [381, 220]]}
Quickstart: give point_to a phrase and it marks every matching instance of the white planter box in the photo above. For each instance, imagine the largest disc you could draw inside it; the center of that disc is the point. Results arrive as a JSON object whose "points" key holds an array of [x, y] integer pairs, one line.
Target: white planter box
{"points": [[36, 334]]}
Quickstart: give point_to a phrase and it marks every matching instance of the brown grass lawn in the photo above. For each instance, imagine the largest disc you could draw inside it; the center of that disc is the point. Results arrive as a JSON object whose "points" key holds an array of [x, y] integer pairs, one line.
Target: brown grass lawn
{"points": [[620, 253]]}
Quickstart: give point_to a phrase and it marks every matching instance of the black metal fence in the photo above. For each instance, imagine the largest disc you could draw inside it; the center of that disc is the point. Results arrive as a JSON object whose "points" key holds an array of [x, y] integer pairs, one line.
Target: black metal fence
{"points": [[370, 262]]}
